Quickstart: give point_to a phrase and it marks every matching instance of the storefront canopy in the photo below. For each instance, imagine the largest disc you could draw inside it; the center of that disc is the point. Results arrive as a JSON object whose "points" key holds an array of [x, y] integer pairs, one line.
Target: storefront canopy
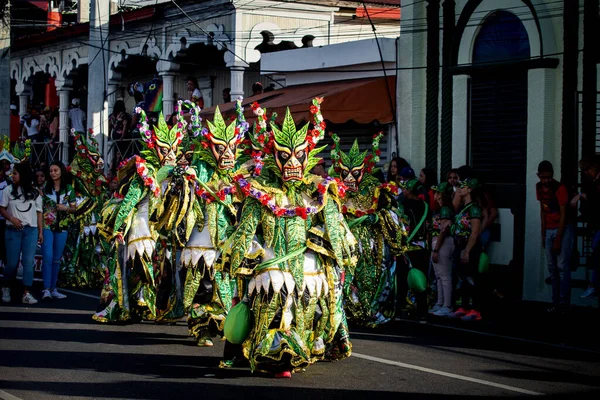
{"points": [[359, 100]]}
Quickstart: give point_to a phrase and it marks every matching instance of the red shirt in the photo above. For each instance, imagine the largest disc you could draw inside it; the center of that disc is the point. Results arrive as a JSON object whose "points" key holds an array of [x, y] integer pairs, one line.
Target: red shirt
{"points": [[15, 128], [552, 198]]}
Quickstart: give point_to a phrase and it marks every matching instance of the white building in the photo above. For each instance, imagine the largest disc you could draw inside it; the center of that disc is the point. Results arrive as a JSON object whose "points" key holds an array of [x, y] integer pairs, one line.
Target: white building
{"points": [[219, 42], [501, 85]]}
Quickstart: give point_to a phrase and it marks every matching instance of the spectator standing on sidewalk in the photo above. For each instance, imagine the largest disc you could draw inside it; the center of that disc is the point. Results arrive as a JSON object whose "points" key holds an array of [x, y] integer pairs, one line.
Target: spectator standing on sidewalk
{"points": [[590, 198], [59, 201], [21, 206], [558, 234], [467, 251], [442, 247]]}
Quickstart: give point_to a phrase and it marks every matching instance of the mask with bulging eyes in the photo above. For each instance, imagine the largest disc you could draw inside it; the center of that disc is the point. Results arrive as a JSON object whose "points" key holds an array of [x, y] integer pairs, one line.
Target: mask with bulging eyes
{"points": [[167, 155], [291, 162], [352, 177], [224, 152], [185, 158], [97, 161]]}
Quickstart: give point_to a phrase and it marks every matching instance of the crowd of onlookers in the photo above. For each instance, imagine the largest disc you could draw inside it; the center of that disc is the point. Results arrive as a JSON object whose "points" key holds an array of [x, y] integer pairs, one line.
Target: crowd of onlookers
{"points": [[451, 247]]}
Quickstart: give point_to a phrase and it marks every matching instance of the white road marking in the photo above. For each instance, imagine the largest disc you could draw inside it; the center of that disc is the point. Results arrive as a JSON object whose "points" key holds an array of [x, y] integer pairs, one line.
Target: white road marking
{"points": [[8, 396], [80, 294], [561, 346], [446, 374]]}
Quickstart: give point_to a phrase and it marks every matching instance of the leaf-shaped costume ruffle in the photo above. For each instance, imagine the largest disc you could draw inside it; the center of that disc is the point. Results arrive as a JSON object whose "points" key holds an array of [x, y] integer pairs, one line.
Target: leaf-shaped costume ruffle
{"points": [[208, 292], [295, 282], [134, 259], [371, 290]]}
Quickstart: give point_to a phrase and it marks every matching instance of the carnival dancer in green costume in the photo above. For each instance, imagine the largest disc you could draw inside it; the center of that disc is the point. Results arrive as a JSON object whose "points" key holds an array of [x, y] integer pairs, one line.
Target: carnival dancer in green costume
{"points": [[208, 291], [81, 266], [371, 212], [152, 213], [293, 245]]}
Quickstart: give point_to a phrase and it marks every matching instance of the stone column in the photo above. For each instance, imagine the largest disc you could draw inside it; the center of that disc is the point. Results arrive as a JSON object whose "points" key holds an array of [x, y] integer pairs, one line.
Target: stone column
{"points": [[411, 85], [97, 105], [168, 79], [63, 122], [237, 82], [23, 102]]}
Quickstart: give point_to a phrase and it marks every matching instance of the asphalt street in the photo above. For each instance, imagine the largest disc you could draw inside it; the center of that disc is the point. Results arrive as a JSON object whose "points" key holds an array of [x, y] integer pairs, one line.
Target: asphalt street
{"points": [[55, 350]]}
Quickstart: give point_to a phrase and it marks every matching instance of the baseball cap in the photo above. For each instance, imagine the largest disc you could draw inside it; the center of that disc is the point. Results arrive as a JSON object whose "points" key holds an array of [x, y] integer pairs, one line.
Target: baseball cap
{"points": [[443, 187], [13, 107], [470, 183], [407, 173], [75, 102], [411, 184]]}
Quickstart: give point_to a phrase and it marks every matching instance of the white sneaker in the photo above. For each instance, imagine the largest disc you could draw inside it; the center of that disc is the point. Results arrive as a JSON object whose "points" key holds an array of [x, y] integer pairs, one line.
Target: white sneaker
{"points": [[29, 299], [6, 295], [443, 312], [46, 295], [435, 308], [56, 295], [589, 293]]}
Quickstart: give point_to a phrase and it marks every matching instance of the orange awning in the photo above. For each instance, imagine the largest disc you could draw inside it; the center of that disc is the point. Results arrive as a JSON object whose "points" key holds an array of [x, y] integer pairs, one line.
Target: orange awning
{"points": [[359, 100]]}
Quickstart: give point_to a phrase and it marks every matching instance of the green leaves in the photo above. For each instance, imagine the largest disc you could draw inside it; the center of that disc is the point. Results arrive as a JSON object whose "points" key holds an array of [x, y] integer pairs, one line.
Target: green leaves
{"points": [[288, 136], [219, 129]]}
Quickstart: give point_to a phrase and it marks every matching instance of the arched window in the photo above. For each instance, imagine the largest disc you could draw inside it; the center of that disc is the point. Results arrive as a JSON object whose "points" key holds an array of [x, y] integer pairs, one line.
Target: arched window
{"points": [[502, 37]]}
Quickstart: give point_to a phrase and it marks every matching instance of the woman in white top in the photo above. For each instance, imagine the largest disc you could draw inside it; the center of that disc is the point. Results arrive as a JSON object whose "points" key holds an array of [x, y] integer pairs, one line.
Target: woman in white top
{"points": [[195, 93], [31, 126], [21, 205]]}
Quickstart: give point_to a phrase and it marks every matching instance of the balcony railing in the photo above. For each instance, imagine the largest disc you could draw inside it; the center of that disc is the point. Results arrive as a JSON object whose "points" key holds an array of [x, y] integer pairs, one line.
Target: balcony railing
{"points": [[45, 153], [119, 150]]}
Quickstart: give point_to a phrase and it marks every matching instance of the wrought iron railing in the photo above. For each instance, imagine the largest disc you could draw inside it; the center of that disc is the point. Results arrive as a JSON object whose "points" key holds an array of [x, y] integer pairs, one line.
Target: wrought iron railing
{"points": [[119, 150], [45, 153]]}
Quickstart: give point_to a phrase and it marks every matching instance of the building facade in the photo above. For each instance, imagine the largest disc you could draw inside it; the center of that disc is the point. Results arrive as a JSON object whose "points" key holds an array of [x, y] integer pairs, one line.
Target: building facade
{"points": [[501, 85], [219, 42]]}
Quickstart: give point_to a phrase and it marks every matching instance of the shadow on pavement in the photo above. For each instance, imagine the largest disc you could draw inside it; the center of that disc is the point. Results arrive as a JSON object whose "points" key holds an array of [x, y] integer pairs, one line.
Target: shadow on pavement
{"points": [[150, 365], [117, 337], [214, 391]]}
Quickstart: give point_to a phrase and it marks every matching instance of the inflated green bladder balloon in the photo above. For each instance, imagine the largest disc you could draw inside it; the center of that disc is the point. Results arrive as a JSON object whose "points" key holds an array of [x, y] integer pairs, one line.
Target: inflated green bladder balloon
{"points": [[484, 263], [238, 323], [417, 281]]}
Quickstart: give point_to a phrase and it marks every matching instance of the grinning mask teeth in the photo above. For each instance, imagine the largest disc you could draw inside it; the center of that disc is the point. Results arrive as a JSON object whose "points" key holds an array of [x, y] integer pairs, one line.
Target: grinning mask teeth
{"points": [[224, 152], [352, 177], [291, 162], [167, 154]]}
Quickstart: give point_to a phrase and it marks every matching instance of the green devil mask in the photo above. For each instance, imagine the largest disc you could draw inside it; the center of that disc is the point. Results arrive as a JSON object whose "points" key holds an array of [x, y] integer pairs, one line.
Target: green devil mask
{"points": [[164, 141], [352, 167], [87, 151], [218, 142], [292, 151]]}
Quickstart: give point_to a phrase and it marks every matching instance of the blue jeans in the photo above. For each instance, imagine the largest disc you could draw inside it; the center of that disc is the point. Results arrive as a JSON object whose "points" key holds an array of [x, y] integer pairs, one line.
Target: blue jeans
{"points": [[559, 265], [20, 244], [52, 252]]}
